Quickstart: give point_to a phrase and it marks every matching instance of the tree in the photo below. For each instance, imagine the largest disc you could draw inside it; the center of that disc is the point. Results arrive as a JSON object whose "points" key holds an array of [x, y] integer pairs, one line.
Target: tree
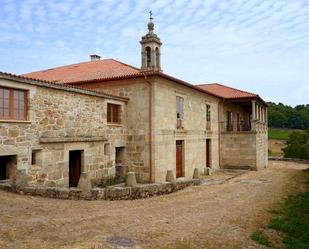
{"points": [[297, 145]]}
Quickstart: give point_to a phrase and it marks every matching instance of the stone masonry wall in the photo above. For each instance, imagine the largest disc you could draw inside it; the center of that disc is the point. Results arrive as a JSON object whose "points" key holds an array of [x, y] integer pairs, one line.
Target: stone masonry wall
{"points": [[194, 133], [60, 121], [238, 149], [137, 145]]}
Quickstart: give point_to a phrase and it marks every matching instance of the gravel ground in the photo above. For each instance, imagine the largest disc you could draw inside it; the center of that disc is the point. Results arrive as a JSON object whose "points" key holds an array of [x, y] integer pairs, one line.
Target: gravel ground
{"points": [[208, 216]]}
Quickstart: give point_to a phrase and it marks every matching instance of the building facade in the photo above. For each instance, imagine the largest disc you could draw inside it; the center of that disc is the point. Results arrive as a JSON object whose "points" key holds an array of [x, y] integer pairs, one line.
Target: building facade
{"points": [[91, 116]]}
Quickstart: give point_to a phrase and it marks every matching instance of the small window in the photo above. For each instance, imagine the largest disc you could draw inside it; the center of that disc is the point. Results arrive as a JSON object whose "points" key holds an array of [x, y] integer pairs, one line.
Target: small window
{"points": [[113, 113], [179, 112], [13, 104], [33, 158], [208, 117]]}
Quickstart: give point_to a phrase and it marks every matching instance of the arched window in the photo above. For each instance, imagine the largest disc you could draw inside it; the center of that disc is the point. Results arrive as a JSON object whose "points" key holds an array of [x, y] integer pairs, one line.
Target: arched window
{"points": [[148, 55], [157, 57]]}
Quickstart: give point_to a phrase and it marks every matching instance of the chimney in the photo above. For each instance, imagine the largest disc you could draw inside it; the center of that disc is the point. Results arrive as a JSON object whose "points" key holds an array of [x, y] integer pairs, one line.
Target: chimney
{"points": [[95, 57]]}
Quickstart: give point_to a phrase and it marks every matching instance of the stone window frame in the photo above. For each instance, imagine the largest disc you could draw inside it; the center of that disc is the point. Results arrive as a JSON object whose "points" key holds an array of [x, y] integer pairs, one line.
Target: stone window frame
{"points": [[11, 116]]}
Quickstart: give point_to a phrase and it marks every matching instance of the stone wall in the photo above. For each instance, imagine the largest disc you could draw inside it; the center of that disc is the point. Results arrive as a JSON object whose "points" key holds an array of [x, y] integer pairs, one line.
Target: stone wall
{"points": [[60, 121], [238, 150], [137, 143], [164, 132], [193, 134]]}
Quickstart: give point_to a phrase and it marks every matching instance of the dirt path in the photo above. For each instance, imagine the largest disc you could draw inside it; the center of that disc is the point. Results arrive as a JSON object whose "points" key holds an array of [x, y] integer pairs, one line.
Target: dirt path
{"points": [[215, 216]]}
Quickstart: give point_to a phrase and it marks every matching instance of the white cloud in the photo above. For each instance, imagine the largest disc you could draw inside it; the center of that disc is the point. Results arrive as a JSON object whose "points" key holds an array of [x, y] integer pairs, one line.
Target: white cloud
{"points": [[253, 44]]}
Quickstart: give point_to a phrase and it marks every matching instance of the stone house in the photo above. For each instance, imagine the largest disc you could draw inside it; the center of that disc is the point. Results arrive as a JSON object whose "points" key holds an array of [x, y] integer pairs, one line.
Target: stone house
{"points": [[160, 123], [50, 133]]}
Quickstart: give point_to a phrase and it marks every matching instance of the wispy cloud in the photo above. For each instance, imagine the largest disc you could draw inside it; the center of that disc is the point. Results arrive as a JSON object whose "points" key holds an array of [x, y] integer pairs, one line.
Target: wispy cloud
{"points": [[258, 45]]}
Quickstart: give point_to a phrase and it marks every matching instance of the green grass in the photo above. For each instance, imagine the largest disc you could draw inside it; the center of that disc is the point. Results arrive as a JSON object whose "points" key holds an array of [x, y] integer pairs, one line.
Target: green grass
{"points": [[280, 134], [260, 238], [293, 220]]}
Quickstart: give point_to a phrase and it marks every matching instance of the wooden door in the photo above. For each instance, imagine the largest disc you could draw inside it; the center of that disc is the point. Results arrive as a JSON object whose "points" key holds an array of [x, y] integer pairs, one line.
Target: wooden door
{"points": [[207, 152], [75, 157], [179, 159]]}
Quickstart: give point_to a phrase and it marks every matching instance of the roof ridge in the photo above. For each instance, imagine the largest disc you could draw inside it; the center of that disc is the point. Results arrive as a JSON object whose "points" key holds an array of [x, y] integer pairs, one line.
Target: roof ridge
{"points": [[65, 66]]}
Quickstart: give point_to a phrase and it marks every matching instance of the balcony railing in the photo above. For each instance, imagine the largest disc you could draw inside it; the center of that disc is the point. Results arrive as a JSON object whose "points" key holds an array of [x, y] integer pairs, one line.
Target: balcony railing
{"points": [[243, 126], [235, 126]]}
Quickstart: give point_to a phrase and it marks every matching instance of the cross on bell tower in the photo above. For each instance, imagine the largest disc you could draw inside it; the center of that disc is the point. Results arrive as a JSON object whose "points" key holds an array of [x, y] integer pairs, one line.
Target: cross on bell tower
{"points": [[151, 48]]}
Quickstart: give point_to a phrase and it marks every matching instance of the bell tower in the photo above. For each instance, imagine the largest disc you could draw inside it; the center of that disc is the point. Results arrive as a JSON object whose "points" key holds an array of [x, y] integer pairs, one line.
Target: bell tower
{"points": [[151, 49]]}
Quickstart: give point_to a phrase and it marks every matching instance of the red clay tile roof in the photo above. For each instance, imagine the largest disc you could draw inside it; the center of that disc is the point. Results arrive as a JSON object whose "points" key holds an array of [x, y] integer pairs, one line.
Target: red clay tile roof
{"points": [[110, 69], [229, 93], [226, 92], [85, 71], [65, 87]]}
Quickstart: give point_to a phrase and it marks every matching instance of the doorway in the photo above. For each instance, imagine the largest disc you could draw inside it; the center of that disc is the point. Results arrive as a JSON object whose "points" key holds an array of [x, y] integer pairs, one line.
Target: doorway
{"points": [[179, 158], [75, 167], [8, 166], [208, 148]]}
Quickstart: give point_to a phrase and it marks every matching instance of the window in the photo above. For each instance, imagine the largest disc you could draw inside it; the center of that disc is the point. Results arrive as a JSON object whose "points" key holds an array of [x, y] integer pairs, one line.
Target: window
{"points": [[229, 123], [208, 113], [33, 158], [179, 110], [113, 113], [13, 104], [106, 149]]}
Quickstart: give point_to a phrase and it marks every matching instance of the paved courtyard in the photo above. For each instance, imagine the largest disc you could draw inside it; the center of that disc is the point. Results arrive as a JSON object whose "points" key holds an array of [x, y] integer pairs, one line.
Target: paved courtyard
{"points": [[217, 215]]}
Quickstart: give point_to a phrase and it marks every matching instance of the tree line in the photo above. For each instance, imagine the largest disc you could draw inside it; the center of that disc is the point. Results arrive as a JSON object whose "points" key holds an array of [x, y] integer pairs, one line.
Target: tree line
{"points": [[285, 116]]}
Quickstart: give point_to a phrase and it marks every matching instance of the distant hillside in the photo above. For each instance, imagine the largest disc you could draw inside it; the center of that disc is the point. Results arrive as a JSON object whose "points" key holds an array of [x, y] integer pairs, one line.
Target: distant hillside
{"points": [[284, 116]]}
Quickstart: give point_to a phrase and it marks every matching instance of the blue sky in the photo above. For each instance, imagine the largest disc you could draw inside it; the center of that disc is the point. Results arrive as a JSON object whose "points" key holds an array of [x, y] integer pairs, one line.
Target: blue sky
{"points": [[260, 46]]}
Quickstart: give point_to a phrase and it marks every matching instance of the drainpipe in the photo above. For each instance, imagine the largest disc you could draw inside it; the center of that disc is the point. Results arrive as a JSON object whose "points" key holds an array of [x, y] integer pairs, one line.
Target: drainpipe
{"points": [[219, 131], [150, 125]]}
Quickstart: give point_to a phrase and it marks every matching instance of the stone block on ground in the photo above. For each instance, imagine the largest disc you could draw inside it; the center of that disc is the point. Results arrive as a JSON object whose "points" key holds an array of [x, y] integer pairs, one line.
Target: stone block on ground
{"points": [[170, 176], [21, 178], [196, 174], [84, 182], [131, 179], [208, 171]]}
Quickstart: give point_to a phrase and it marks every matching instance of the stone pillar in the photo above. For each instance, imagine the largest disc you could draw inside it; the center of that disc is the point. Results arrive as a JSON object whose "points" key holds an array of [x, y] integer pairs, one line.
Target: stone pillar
{"points": [[153, 57], [253, 110], [266, 116]]}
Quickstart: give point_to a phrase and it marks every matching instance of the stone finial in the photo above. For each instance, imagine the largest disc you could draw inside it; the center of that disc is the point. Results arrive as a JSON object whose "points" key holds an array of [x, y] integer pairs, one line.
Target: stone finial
{"points": [[21, 178], [150, 24], [84, 182], [170, 176], [196, 174], [131, 179], [208, 171]]}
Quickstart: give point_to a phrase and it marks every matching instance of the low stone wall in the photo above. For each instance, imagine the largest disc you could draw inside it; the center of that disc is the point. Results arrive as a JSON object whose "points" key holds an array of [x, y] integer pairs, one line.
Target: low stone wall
{"points": [[109, 193], [295, 160]]}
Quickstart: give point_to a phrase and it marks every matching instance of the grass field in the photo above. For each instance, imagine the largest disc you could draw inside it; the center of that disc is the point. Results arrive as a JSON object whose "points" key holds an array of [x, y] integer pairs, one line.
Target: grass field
{"points": [[292, 220], [280, 134]]}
